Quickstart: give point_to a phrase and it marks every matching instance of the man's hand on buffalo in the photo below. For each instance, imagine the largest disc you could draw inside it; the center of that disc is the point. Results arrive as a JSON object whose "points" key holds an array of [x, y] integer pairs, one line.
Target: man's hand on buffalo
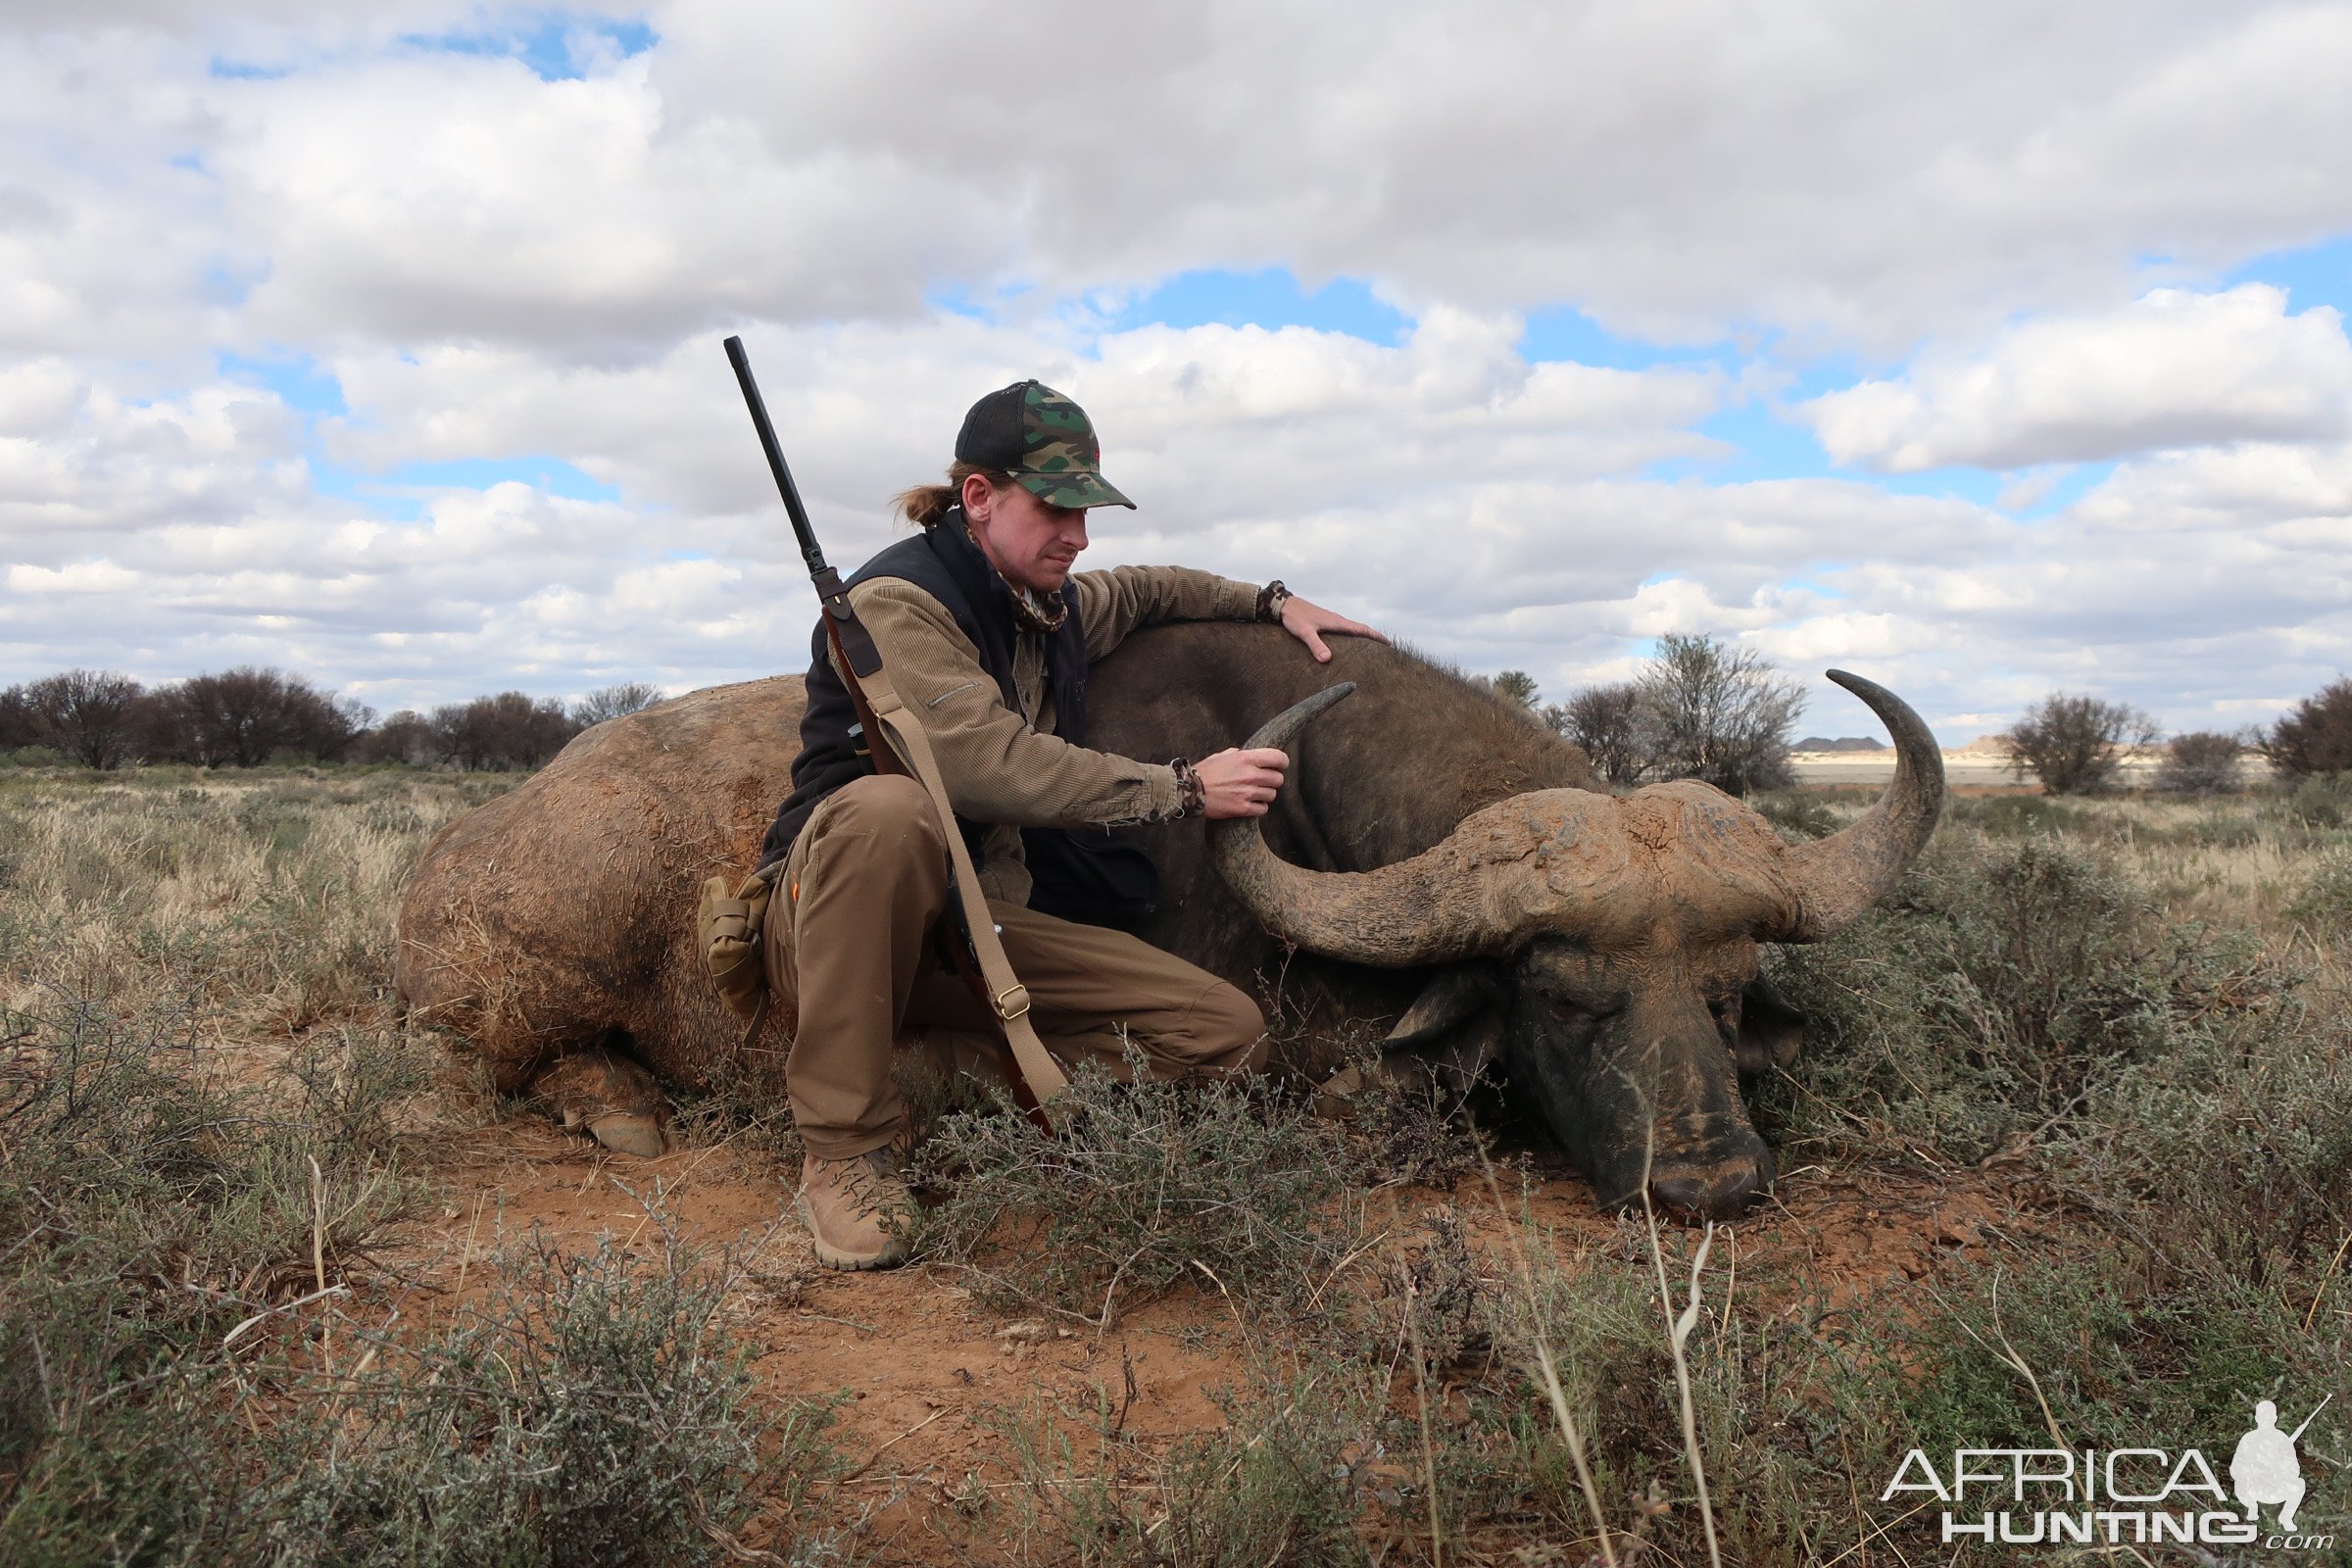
{"points": [[1309, 621], [1241, 782]]}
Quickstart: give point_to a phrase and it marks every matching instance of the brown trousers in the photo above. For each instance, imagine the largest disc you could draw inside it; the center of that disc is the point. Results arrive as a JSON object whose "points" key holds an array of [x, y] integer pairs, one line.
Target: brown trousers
{"points": [[853, 938]]}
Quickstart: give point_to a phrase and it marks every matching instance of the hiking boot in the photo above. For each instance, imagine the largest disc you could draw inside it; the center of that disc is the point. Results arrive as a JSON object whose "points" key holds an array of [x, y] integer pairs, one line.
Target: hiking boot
{"points": [[852, 1205]]}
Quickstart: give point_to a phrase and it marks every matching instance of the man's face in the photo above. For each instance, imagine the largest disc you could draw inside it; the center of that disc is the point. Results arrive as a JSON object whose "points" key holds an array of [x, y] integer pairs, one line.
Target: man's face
{"points": [[1030, 543]]}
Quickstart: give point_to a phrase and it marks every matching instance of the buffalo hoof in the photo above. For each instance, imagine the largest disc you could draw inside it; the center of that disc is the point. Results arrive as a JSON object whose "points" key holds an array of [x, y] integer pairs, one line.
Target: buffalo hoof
{"points": [[1349, 1090], [631, 1132], [1720, 1189], [612, 1098]]}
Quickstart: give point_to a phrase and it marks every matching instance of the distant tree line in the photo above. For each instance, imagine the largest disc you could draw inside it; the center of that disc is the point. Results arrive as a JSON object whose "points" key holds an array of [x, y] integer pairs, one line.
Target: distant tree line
{"points": [[246, 716], [2075, 745], [1700, 708]]}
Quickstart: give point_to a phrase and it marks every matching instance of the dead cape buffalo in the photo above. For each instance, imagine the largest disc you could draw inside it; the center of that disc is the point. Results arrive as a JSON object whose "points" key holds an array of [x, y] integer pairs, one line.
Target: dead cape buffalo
{"points": [[1435, 859]]}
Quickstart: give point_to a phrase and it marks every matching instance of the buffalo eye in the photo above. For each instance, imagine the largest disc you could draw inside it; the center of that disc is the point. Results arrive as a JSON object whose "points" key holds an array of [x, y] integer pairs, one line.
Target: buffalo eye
{"points": [[1572, 1009]]}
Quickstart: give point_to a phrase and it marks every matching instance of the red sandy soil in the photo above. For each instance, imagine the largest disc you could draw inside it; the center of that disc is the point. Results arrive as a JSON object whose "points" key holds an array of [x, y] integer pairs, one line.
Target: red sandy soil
{"points": [[923, 1364]]}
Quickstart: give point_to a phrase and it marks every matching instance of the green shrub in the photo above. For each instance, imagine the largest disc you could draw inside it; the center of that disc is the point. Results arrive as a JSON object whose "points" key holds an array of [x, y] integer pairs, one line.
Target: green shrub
{"points": [[598, 1411], [124, 1159], [2317, 737], [2201, 763], [117, 1445], [2229, 1155], [146, 1208], [1149, 1184], [2075, 745], [1789, 1408], [2322, 800], [1983, 1002], [2172, 1080], [2018, 815], [1409, 1128], [2325, 900], [1285, 1480], [1800, 816], [2121, 1365]]}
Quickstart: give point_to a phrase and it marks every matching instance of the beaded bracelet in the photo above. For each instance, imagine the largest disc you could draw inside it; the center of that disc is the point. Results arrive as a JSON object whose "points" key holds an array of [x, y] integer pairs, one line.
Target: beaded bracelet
{"points": [[1194, 799]]}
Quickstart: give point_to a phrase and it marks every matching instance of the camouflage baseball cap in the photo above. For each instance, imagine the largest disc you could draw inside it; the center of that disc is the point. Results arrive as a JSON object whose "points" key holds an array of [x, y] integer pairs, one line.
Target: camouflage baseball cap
{"points": [[1044, 440]]}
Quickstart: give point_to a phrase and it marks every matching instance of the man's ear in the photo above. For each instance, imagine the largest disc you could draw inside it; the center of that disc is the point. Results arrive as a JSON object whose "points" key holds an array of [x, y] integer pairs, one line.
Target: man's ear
{"points": [[1771, 1029], [979, 498]]}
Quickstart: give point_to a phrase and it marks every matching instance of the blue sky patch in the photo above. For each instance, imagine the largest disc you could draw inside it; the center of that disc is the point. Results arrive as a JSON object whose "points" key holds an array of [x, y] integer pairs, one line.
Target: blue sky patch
{"points": [[2311, 275], [2079, 481], [558, 45], [956, 298], [244, 71], [297, 379], [1271, 298], [1764, 443], [1562, 333], [552, 476], [363, 490], [230, 287], [1979, 485], [400, 494]]}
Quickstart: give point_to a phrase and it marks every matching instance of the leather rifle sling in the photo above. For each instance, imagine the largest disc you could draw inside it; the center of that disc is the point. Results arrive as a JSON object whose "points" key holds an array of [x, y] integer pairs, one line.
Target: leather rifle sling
{"points": [[1007, 999]]}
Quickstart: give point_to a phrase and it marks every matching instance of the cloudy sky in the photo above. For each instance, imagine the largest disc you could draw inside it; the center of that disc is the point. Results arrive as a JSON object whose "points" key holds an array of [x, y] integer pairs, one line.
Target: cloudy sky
{"points": [[1986, 349]]}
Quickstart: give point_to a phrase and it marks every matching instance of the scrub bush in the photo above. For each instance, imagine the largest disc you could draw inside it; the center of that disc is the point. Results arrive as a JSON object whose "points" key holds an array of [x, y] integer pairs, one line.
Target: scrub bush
{"points": [[2201, 763], [2075, 745], [2317, 737], [1152, 1184], [1287, 1480], [2322, 800], [598, 1411], [1990, 995]]}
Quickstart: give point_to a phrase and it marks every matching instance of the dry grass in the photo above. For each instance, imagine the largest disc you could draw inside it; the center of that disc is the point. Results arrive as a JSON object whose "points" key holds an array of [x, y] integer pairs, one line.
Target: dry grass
{"points": [[213, 1128], [2123, 1023]]}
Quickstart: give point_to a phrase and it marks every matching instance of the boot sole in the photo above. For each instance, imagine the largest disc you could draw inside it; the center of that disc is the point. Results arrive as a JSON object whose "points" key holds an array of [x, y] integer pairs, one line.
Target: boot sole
{"points": [[834, 1258]]}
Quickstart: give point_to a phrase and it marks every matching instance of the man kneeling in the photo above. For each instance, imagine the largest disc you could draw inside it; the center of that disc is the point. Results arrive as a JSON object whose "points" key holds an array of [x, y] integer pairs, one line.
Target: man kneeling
{"points": [[987, 635]]}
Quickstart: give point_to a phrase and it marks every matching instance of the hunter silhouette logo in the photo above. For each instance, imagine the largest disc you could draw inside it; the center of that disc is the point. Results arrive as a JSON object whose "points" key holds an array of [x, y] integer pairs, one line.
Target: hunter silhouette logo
{"points": [[2265, 1470]]}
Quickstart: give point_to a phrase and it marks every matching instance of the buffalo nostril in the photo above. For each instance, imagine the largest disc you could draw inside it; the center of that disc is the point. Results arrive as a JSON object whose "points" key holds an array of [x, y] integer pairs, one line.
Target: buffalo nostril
{"points": [[1719, 1190]]}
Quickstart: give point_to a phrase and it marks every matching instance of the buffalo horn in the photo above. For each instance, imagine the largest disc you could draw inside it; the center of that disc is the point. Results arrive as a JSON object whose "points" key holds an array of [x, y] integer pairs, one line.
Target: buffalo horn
{"points": [[1837, 878], [1416, 912]]}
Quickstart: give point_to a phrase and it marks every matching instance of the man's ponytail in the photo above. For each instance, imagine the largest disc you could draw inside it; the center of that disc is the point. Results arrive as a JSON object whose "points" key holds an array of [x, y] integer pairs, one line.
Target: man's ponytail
{"points": [[926, 504]]}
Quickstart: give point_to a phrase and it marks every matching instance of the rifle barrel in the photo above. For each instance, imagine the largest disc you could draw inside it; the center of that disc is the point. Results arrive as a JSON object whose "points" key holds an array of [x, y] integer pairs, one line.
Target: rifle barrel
{"points": [[809, 552]]}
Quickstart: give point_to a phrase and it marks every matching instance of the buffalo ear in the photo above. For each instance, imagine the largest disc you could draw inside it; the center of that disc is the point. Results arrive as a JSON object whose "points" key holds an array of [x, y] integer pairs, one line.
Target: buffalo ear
{"points": [[1772, 1028], [1455, 1026], [1452, 998]]}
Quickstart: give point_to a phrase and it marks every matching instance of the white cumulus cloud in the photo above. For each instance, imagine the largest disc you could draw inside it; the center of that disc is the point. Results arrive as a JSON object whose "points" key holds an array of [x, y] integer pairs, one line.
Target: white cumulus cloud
{"points": [[463, 268], [2175, 369]]}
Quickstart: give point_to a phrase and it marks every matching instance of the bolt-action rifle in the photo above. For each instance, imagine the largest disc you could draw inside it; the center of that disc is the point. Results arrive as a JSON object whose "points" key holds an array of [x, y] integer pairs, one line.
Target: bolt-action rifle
{"points": [[894, 740]]}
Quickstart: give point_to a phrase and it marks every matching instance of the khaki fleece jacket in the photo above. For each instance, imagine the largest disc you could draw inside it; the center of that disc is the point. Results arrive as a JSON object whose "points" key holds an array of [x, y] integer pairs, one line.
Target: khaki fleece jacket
{"points": [[1011, 769]]}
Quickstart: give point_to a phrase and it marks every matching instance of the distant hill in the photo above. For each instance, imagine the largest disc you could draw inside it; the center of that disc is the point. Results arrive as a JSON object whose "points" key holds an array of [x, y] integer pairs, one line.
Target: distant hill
{"points": [[1844, 743]]}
